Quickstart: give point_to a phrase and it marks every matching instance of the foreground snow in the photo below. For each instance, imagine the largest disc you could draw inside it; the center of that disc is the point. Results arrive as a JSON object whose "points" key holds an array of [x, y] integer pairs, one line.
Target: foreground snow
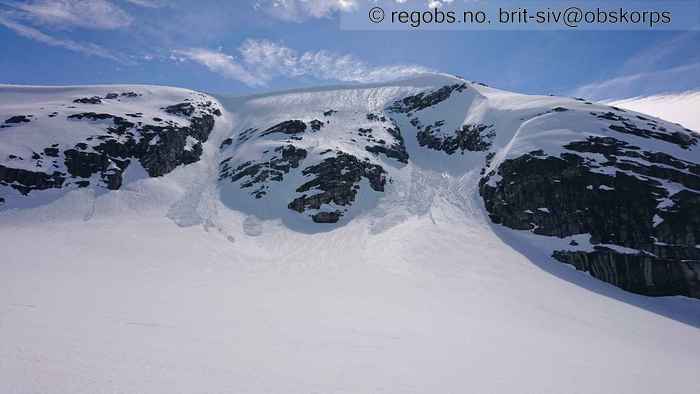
{"points": [[161, 287], [683, 108], [164, 309]]}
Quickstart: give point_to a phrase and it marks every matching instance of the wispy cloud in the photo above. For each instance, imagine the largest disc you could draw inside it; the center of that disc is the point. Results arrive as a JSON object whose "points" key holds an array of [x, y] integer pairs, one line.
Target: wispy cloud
{"points": [[262, 60], [666, 66], [271, 59], [302, 10], [299, 10], [89, 14], [676, 79], [219, 63], [671, 52], [89, 49]]}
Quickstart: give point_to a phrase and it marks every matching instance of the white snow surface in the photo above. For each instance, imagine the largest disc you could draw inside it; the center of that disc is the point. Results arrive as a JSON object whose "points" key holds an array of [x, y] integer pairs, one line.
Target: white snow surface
{"points": [[683, 108], [183, 284]]}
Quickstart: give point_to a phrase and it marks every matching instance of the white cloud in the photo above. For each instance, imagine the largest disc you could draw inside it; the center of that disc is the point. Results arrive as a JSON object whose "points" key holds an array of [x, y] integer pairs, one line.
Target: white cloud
{"points": [[301, 10], [263, 60], [89, 14], [298, 10], [272, 59], [219, 63], [89, 49]]}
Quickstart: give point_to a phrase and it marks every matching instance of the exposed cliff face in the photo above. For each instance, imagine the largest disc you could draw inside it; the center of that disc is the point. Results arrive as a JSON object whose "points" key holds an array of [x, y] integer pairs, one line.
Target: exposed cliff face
{"points": [[617, 191]]}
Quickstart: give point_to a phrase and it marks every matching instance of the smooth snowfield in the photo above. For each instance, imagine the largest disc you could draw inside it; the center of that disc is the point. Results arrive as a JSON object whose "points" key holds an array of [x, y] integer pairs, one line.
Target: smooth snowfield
{"points": [[162, 287], [683, 108]]}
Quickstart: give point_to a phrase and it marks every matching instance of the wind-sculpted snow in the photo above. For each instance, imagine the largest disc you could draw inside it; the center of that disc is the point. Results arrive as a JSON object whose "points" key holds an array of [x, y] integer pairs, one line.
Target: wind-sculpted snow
{"points": [[68, 143]]}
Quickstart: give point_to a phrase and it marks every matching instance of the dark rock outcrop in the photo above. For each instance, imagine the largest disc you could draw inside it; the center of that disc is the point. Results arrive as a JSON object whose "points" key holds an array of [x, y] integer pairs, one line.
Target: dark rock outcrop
{"points": [[88, 100], [18, 119], [472, 138], [395, 149], [115, 145], [257, 175], [182, 109], [617, 193], [640, 273], [25, 181], [289, 127], [652, 130], [336, 180], [426, 99]]}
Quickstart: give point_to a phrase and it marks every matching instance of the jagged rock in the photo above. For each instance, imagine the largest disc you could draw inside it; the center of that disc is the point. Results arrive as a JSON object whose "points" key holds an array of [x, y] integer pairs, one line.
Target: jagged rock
{"points": [[182, 109], [289, 127], [316, 125], [85, 164], [427, 99], [327, 217], [336, 180], [51, 152], [121, 124], [473, 138], [620, 206], [225, 143], [395, 150], [257, 175], [26, 181], [684, 139], [89, 100], [18, 119], [639, 273], [108, 153]]}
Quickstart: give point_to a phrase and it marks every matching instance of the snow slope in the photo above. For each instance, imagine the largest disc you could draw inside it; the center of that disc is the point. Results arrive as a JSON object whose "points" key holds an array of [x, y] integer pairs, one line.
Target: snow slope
{"points": [[187, 283], [683, 108]]}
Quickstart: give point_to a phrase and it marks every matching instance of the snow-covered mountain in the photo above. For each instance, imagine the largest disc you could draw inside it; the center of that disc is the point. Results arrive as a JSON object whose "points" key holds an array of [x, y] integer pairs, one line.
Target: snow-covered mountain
{"points": [[676, 107], [400, 237]]}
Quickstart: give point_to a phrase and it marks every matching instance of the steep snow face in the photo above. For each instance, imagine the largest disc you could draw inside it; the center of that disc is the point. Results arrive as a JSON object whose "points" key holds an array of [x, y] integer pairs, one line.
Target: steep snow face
{"points": [[343, 240], [328, 156], [680, 108]]}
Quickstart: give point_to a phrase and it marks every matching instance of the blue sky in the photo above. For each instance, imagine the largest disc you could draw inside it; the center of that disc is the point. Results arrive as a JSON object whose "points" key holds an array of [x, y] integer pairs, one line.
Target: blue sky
{"points": [[243, 47]]}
